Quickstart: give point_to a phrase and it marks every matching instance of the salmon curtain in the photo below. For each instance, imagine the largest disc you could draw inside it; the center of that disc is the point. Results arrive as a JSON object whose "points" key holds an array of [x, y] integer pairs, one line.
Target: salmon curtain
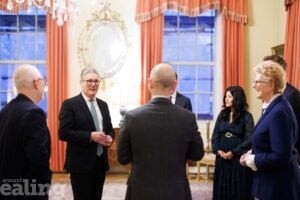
{"points": [[57, 74], [149, 13], [292, 42], [151, 51], [234, 20]]}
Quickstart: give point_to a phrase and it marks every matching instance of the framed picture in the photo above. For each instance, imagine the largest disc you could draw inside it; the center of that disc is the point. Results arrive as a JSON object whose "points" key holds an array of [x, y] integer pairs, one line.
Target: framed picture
{"points": [[278, 50]]}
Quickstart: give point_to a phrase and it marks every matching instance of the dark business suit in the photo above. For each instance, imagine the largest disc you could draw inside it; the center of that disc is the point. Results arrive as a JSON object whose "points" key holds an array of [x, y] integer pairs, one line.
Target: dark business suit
{"points": [[76, 125], [293, 96], [24, 146], [278, 175], [183, 101], [157, 139]]}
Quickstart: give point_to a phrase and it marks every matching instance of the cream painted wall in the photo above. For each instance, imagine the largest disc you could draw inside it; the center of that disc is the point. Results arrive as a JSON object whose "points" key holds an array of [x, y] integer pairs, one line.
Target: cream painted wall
{"points": [[265, 29]]}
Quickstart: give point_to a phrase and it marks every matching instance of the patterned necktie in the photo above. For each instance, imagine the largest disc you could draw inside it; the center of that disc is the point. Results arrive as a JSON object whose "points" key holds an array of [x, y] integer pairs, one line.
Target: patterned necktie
{"points": [[96, 122]]}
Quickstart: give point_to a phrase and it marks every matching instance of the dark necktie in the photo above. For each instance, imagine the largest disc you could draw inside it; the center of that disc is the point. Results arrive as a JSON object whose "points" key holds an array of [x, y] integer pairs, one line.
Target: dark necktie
{"points": [[96, 122]]}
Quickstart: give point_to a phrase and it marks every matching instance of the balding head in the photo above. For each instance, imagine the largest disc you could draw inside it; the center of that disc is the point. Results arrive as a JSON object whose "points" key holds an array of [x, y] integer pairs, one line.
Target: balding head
{"points": [[29, 81], [162, 80], [24, 75]]}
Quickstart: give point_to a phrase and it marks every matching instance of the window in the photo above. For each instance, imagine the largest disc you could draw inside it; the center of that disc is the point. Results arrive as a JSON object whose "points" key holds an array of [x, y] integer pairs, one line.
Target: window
{"points": [[189, 45], [22, 40]]}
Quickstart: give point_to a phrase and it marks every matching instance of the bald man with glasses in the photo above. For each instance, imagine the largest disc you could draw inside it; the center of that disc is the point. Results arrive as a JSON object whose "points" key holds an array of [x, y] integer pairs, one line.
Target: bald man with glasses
{"points": [[25, 140]]}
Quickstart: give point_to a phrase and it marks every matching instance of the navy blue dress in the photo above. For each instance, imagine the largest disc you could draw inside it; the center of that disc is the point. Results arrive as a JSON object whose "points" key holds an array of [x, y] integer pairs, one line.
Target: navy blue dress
{"points": [[232, 181]]}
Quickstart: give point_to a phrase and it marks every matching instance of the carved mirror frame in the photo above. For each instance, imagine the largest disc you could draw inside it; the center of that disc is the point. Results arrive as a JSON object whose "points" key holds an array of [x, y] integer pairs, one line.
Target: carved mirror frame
{"points": [[103, 42]]}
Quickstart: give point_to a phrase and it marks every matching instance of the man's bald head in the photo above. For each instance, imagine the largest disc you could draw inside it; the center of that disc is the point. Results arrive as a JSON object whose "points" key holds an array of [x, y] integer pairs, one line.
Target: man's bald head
{"points": [[29, 81], [162, 80], [24, 75]]}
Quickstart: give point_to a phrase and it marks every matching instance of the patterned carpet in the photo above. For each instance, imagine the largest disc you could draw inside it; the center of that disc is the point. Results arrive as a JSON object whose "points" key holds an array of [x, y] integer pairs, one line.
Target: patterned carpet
{"points": [[115, 187]]}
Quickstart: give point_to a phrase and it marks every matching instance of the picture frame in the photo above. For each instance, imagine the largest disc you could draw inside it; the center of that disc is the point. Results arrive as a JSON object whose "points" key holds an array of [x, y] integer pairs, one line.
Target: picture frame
{"points": [[278, 50]]}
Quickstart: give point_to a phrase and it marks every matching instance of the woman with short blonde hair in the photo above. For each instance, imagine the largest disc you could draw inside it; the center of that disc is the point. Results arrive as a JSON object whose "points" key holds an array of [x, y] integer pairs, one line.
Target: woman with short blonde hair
{"points": [[273, 157]]}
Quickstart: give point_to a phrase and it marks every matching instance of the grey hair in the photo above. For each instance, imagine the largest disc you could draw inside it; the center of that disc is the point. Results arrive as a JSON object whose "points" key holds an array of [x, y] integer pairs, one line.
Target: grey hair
{"points": [[273, 72], [88, 70], [24, 75]]}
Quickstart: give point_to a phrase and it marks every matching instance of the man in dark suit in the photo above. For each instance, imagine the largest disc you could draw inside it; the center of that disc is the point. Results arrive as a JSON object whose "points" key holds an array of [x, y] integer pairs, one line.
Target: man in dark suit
{"points": [[25, 140], [157, 139], [181, 100], [185, 102], [85, 124], [292, 94]]}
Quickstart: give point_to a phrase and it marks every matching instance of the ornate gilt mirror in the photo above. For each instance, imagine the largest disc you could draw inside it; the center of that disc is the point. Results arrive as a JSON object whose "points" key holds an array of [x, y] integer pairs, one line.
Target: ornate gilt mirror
{"points": [[103, 42]]}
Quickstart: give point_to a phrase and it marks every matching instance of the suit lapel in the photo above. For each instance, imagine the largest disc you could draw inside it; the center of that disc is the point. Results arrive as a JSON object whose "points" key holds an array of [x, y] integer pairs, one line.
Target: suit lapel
{"points": [[268, 109], [85, 109]]}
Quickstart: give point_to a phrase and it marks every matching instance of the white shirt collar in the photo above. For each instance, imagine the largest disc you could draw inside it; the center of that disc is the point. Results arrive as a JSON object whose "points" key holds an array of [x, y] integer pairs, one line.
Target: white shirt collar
{"points": [[265, 104], [159, 96], [86, 98], [173, 99]]}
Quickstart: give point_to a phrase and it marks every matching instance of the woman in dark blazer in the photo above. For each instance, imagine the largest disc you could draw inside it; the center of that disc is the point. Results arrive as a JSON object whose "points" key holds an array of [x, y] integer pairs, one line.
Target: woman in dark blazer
{"points": [[291, 93], [273, 157]]}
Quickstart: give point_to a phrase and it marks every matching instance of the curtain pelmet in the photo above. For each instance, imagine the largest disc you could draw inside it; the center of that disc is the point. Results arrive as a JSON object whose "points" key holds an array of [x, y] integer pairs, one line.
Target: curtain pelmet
{"points": [[17, 7], [235, 10], [145, 15]]}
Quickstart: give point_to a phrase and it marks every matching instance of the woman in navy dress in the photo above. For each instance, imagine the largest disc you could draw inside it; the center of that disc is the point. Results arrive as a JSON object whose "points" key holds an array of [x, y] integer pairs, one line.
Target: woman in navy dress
{"points": [[231, 138]]}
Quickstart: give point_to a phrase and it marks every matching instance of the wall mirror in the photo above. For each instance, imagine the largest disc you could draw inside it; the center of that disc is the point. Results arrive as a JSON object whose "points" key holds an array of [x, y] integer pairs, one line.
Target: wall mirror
{"points": [[103, 42]]}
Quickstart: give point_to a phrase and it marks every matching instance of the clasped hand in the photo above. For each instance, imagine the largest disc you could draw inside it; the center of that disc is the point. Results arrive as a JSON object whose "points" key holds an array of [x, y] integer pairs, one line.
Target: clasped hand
{"points": [[243, 159], [101, 138], [225, 155]]}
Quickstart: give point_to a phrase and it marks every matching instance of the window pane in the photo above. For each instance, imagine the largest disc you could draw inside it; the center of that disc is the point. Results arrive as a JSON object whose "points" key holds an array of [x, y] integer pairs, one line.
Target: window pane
{"points": [[8, 22], [189, 45], [22, 40], [8, 42], [26, 23], [6, 83]]}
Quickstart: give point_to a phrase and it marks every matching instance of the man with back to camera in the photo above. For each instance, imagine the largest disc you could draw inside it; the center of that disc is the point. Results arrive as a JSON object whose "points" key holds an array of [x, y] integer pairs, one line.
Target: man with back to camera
{"points": [[25, 140], [157, 139], [292, 94]]}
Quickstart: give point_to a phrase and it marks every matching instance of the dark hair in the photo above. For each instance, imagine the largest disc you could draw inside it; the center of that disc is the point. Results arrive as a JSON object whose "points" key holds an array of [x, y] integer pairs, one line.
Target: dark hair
{"points": [[239, 104], [278, 59]]}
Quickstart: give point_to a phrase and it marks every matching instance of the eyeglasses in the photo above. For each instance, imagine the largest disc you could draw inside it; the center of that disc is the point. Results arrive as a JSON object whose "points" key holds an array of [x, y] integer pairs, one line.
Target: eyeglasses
{"points": [[42, 79], [259, 81], [90, 82]]}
